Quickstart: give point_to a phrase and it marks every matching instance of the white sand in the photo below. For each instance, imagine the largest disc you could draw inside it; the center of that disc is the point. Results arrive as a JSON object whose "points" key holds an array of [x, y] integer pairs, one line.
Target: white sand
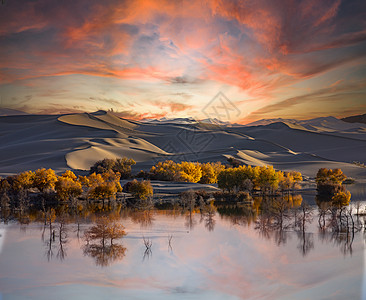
{"points": [[76, 141]]}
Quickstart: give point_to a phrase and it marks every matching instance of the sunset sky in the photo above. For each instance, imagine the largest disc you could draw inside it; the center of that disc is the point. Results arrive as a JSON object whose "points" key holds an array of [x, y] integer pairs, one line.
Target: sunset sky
{"points": [[153, 59]]}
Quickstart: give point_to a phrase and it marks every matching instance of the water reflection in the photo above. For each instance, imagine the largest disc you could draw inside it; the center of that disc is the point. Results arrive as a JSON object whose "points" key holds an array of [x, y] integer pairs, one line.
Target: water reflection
{"points": [[235, 249], [148, 251], [273, 218], [99, 241], [144, 217], [306, 242]]}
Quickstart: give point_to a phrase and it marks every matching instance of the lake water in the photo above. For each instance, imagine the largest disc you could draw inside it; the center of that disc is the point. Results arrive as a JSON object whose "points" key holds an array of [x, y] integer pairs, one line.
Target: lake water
{"points": [[209, 257]]}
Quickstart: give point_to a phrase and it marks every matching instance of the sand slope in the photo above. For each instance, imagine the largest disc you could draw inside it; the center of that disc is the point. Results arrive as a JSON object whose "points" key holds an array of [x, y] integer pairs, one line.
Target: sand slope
{"points": [[78, 140]]}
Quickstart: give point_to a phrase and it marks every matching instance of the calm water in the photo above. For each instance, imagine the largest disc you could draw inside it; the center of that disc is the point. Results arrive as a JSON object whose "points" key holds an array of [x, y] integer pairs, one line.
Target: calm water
{"points": [[213, 257]]}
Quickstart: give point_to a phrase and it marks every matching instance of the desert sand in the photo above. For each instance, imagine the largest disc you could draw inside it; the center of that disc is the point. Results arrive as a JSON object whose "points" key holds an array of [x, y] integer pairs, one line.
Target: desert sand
{"points": [[76, 141]]}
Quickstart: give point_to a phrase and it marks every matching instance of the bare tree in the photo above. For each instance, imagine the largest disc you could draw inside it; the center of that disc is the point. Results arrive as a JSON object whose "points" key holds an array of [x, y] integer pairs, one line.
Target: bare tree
{"points": [[170, 237], [148, 245]]}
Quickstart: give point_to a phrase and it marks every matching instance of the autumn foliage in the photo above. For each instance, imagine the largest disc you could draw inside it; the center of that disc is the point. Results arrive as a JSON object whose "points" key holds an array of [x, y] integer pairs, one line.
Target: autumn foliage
{"points": [[186, 171], [118, 165], [141, 190], [329, 182], [264, 178]]}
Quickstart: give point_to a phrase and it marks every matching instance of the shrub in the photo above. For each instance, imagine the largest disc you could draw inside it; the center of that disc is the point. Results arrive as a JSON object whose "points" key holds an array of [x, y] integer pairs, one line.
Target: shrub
{"points": [[120, 165], [127, 186], [141, 190]]}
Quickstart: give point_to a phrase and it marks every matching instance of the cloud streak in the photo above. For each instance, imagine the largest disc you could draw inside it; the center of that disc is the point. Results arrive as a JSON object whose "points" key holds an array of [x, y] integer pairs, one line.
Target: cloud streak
{"points": [[258, 50]]}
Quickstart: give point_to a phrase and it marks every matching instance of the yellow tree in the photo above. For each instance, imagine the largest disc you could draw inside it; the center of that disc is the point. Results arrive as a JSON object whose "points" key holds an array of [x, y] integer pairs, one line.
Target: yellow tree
{"points": [[113, 179], [268, 178], [286, 181], [94, 180], [167, 170], [69, 174], [68, 188], [210, 172], [141, 190], [341, 199], [297, 176], [102, 186], [24, 180], [123, 166], [44, 179], [189, 171], [84, 181], [102, 191], [335, 176]]}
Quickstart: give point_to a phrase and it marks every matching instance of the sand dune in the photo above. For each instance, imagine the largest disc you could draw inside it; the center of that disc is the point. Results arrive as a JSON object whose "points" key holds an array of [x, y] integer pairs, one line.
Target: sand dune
{"points": [[78, 140]]}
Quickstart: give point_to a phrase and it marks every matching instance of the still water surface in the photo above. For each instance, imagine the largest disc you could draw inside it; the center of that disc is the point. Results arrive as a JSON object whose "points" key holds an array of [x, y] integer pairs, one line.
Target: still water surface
{"points": [[208, 258]]}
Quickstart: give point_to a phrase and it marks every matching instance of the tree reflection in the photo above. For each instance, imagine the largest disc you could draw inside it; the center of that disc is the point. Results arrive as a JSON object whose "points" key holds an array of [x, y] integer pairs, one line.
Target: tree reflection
{"points": [[188, 204], [49, 218], [306, 242], [277, 216], [208, 212], [143, 217], [103, 254], [148, 251], [62, 234], [99, 242]]}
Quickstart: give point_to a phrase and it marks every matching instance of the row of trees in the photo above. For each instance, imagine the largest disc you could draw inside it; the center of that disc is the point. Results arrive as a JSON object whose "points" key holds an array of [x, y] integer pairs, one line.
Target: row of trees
{"points": [[66, 186], [186, 171], [264, 178], [166, 170]]}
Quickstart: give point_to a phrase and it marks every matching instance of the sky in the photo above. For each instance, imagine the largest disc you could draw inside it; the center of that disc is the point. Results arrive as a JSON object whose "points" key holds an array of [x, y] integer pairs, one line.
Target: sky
{"points": [[156, 58]]}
